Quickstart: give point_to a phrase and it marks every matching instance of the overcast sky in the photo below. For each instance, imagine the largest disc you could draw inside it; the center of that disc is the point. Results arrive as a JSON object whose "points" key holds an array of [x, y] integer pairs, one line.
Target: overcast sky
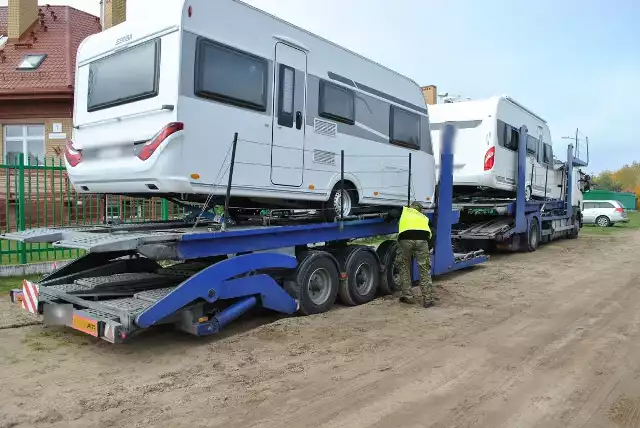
{"points": [[574, 62]]}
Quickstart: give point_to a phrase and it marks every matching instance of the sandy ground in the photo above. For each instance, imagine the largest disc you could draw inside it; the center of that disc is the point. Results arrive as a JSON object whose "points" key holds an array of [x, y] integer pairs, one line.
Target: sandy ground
{"points": [[549, 339]]}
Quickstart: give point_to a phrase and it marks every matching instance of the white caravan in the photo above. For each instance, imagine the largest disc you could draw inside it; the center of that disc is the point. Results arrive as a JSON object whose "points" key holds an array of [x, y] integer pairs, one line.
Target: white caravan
{"points": [[486, 144], [159, 98]]}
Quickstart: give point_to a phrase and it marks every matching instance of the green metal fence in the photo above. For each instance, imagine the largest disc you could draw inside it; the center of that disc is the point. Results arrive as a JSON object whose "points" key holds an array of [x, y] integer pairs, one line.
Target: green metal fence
{"points": [[38, 193]]}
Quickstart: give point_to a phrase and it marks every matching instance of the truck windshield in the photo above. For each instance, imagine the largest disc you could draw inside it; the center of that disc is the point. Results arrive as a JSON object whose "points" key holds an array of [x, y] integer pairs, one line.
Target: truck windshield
{"points": [[123, 77]]}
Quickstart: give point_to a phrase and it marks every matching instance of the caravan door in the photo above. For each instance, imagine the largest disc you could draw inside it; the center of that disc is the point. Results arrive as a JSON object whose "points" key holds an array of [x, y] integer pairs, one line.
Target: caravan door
{"points": [[289, 113]]}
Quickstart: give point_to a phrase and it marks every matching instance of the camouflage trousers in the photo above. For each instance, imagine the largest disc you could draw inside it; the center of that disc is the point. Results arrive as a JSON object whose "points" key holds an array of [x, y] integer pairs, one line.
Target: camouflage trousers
{"points": [[420, 251]]}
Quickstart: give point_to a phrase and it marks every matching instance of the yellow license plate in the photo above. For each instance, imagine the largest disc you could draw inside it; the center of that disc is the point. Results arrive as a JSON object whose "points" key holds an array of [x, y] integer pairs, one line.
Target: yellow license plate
{"points": [[85, 325]]}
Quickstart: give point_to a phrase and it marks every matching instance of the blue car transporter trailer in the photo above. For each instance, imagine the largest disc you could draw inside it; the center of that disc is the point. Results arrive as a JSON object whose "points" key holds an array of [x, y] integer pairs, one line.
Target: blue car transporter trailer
{"points": [[521, 224], [118, 288]]}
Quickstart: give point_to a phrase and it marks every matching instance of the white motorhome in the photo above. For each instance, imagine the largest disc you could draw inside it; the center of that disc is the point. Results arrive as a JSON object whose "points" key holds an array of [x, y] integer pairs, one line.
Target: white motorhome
{"points": [[486, 144], [158, 102]]}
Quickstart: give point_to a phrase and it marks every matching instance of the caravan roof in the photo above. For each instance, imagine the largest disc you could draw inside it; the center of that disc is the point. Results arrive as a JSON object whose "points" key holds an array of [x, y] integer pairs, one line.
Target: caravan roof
{"points": [[472, 110]]}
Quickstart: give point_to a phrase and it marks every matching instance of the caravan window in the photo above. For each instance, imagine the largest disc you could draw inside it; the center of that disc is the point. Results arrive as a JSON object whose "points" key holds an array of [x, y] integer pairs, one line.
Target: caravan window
{"points": [[231, 76], [548, 154], [404, 128], [286, 85], [508, 136], [124, 77], [337, 103], [532, 145]]}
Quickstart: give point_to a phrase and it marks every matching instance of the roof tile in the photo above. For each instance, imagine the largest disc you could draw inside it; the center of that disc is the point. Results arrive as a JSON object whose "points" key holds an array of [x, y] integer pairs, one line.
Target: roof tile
{"points": [[58, 38]]}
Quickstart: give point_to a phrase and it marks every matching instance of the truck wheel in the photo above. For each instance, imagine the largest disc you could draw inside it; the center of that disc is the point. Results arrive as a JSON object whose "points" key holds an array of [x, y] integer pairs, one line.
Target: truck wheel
{"points": [[603, 221], [577, 224], [363, 276], [316, 280], [390, 276], [533, 237], [575, 231]]}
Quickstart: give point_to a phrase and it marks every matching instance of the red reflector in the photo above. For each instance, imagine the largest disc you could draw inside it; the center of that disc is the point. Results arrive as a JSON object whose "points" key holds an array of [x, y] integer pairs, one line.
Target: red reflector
{"points": [[489, 158], [73, 156], [190, 11], [154, 143]]}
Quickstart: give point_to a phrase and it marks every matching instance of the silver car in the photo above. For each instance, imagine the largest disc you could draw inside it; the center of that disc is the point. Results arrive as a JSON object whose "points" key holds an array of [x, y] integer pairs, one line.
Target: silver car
{"points": [[603, 213]]}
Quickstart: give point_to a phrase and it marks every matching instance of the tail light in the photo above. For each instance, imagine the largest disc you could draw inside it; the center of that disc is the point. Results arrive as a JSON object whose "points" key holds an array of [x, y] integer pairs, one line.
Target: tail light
{"points": [[619, 210], [489, 158], [73, 155], [151, 145]]}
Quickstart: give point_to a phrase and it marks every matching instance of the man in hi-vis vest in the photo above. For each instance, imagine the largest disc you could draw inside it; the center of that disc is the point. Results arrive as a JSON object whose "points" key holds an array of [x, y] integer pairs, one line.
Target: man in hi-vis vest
{"points": [[413, 240]]}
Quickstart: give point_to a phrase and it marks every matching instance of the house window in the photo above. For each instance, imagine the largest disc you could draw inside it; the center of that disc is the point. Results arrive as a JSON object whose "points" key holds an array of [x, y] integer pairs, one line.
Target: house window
{"points": [[24, 139], [404, 128], [31, 62], [231, 76], [337, 103]]}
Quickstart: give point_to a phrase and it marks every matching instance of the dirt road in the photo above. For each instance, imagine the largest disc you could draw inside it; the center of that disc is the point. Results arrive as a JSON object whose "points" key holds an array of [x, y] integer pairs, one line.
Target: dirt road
{"points": [[549, 339]]}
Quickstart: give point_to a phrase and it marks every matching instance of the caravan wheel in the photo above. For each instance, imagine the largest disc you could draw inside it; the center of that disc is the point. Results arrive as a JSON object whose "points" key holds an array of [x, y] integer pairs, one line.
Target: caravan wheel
{"points": [[348, 204]]}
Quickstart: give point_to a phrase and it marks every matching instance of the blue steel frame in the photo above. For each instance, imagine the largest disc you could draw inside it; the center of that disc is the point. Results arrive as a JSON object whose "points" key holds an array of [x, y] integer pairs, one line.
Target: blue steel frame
{"points": [[216, 282], [222, 281], [443, 257], [526, 212]]}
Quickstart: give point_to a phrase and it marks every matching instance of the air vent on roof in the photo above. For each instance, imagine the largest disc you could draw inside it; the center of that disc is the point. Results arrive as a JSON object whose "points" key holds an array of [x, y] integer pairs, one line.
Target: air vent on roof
{"points": [[323, 127]]}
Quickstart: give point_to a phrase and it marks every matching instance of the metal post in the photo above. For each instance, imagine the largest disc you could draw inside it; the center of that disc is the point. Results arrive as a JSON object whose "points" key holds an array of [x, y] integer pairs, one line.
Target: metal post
{"points": [[546, 181], [21, 214], [341, 185], [103, 208], [409, 183], [341, 189], [228, 196]]}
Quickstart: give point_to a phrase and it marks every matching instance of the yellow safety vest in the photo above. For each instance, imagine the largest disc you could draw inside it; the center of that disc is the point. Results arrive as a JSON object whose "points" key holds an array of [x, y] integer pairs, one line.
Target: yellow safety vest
{"points": [[413, 220]]}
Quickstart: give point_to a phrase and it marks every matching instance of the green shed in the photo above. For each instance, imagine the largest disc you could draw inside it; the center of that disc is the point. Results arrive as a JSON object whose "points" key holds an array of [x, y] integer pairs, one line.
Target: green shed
{"points": [[627, 199]]}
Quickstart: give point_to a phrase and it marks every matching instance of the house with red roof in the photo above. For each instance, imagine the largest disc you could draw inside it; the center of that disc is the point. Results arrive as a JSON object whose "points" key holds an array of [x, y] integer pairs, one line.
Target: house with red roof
{"points": [[38, 45]]}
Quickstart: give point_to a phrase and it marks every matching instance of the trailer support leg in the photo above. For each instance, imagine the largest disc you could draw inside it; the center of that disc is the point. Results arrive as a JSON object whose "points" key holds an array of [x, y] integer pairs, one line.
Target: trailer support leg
{"points": [[215, 324]]}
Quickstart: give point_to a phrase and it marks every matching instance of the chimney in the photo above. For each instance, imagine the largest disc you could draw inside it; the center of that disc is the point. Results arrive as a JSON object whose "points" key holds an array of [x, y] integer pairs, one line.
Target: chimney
{"points": [[430, 94], [22, 14], [115, 12]]}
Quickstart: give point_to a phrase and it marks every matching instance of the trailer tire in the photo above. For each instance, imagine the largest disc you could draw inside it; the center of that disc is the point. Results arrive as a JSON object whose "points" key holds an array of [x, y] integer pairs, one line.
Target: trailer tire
{"points": [[533, 236], [577, 224], [389, 277], [316, 283], [363, 277]]}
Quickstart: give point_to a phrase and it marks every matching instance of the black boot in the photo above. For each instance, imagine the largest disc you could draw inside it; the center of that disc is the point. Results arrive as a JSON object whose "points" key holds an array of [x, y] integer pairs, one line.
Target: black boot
{"points": [[427, 303]]}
